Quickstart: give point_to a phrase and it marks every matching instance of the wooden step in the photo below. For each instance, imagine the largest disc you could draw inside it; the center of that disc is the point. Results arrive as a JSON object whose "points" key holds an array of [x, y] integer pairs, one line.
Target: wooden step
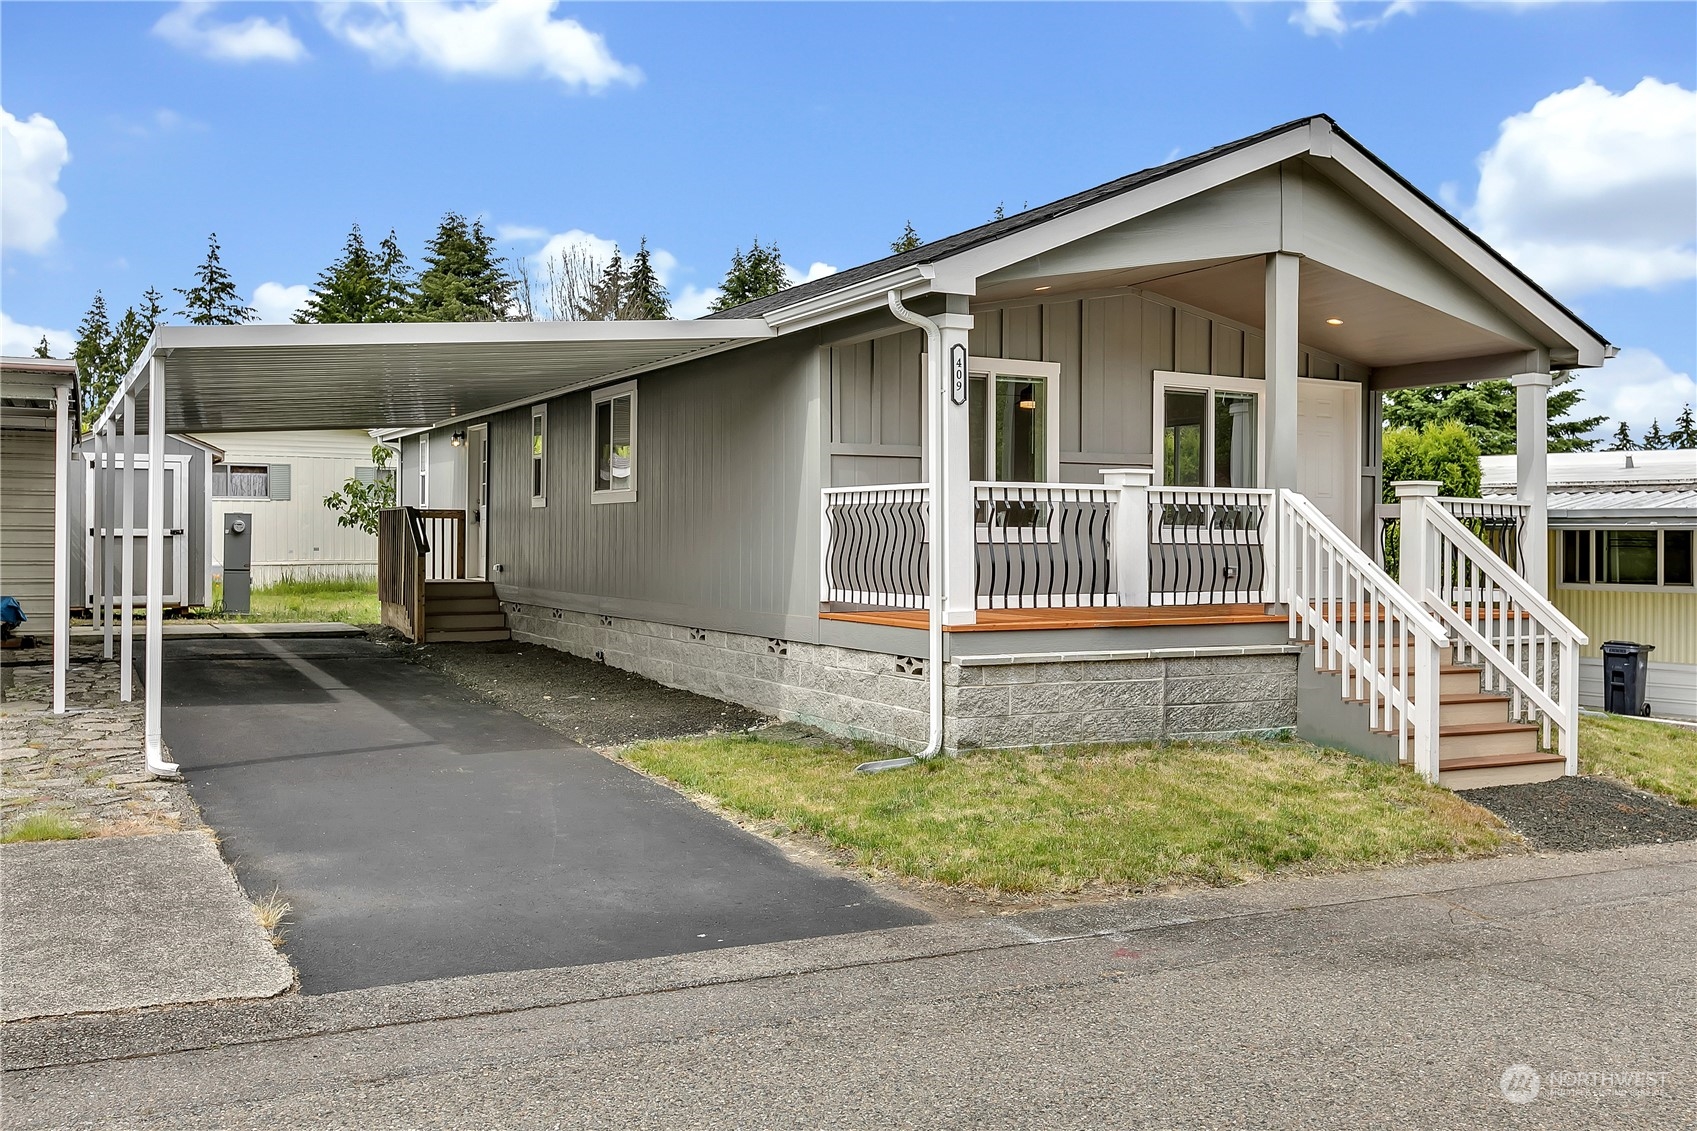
{"points": [[465, 635], [451, 590], [445, 621], [1477, 707], [1485, 771], [1458, 679], [1473, 740], [461, 605]]}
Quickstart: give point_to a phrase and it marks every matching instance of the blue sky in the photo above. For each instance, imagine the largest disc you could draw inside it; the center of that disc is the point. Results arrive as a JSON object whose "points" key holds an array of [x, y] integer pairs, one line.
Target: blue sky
{"points": [[1565, 132]]}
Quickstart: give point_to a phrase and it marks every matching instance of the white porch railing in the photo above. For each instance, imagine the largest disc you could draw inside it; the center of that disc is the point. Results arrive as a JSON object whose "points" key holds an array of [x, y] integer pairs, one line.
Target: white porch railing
{"points": [[1528, 650], [1386, 648], [1209, 546], [875, 545], [1499, 522], [1045, 545]]}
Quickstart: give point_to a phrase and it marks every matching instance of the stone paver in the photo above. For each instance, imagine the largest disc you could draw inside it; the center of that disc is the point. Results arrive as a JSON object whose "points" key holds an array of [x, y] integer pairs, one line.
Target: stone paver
{"points": [[87, 764]]}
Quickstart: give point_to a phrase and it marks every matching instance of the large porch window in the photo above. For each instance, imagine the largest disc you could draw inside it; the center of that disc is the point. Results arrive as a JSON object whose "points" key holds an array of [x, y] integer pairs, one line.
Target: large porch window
{"points": [[1209, 432]]}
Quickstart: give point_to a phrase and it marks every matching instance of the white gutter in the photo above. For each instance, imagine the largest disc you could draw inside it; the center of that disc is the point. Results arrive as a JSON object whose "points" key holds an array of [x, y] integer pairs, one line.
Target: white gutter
{"points": [[856, 298], [934, 447]]}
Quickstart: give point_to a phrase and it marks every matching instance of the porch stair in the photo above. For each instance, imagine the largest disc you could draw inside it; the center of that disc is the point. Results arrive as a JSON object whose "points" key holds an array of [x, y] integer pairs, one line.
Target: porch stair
{"points": [[463, 611]]}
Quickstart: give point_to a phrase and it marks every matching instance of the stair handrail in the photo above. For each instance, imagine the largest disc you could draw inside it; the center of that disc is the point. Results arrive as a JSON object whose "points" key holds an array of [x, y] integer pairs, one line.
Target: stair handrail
{"points": [[1523, 632], [1385, 647]]}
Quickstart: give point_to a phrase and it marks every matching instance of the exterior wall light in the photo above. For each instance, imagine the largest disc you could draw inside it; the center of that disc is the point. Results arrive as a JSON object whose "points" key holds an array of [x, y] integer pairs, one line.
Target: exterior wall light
{"points": [[458, 438]]}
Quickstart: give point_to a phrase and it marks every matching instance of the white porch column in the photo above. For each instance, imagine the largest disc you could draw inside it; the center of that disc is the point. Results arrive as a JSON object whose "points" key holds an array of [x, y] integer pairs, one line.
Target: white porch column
{"points": [[61, 544], [127, 567], [1532, 477], [1414, 555], [960, 539], [155, 534], [1131, 533], [1283, 361]]}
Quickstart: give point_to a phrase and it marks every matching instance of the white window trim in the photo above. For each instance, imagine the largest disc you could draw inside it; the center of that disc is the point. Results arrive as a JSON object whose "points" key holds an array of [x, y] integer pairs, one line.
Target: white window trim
{"points": [[423, 470], [227, 465], [1661, 584], [1049, 372], [538, 412], [1205, 383], [596, 400]]}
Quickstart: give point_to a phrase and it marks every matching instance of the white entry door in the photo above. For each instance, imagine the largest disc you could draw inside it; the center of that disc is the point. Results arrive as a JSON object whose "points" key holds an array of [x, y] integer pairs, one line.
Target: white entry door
{"points": [[477, 501], [1328, 432], [176, 524]]}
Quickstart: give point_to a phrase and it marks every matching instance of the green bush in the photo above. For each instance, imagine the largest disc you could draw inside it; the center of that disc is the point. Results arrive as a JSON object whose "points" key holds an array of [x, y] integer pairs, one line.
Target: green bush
{"points": [[1444, 452]]}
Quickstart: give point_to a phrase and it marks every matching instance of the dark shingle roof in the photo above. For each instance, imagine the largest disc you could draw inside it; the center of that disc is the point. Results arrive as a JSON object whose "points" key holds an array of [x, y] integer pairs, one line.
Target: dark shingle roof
{"points": [[996, 229]]}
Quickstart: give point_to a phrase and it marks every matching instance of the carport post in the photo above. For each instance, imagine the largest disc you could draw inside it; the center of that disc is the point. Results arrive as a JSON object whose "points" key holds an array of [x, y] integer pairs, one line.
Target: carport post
{"points": [[154, 682], [127, 571], [61, 544], [103, 531]]}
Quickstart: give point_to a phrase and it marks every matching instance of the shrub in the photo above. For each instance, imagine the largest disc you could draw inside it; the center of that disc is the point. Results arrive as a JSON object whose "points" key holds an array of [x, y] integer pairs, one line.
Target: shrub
{"points": [[1444, 452]]}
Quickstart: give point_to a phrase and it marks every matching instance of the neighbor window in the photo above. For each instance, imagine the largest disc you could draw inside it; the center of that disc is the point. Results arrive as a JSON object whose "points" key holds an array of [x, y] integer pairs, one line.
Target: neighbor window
{"points": [[615, 444], [423, 471], [1626, 557], [1209, 437], [539, 455], [241, 481]]}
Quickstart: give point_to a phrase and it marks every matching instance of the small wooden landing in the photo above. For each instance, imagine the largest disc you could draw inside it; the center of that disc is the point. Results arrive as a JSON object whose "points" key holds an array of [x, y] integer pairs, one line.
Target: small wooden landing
{"points": [[1035, 620]]}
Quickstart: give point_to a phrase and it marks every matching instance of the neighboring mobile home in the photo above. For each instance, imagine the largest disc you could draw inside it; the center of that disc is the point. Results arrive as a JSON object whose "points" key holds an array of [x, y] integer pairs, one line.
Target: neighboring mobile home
{"points": [[30, 390], [1098, 471], [1622, 528]]}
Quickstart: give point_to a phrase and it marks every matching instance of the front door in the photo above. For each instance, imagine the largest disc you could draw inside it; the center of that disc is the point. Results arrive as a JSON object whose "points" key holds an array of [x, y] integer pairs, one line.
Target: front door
{"points": [[1328, 431], [477, 501]]}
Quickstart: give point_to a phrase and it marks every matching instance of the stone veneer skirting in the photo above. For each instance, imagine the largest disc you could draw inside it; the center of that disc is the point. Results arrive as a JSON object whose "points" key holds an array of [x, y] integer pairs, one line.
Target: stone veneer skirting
{"points": [[1002, 702]]}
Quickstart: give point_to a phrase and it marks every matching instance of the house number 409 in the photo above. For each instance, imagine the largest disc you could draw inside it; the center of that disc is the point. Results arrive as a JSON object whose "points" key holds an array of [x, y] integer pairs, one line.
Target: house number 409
{"points": [[957, 374]]}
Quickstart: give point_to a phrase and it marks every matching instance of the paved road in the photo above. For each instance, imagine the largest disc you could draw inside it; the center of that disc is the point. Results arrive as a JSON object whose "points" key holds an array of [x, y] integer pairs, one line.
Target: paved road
{"points": [[420, 832], [1389, 1000]]}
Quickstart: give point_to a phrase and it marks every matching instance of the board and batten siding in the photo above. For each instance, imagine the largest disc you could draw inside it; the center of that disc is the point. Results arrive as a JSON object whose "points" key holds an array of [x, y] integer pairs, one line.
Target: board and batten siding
{"points": [[724, 531], [26, 521], [1108, 348]]}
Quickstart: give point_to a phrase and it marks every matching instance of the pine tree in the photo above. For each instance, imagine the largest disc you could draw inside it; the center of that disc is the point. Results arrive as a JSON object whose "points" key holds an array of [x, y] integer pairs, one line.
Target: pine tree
{"points": [[463, 280], [348, 289], [213, 300], [1622, 441], [755, 275], [42, 349], [1000, 213], [1487, 408], [395, 285], [606, 301], [908, 241], [136, 327], [1684, 434], [646, 298], [97, 368], [1654, 441]]}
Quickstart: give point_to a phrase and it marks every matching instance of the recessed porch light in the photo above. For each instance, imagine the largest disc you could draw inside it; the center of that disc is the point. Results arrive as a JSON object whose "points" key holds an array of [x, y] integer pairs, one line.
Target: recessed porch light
{"points": [[1043, 288], [1334, 321]]}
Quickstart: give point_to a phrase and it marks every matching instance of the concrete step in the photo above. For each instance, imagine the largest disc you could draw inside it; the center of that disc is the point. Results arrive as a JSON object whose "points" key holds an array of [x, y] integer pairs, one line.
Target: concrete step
{"points": [[450, 590], [447, 621], [1480, 707], [465, 635], [461, 605], [1502, 769]]}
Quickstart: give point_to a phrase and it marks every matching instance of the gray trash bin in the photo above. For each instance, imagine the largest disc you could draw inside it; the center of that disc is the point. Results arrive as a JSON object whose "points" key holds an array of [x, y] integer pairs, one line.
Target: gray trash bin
{"points": [[1625, 677]]}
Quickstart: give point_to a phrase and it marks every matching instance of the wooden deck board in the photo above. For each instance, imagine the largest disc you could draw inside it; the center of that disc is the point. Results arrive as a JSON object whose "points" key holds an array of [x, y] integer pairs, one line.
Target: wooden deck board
{"points": [[1034, 620]]}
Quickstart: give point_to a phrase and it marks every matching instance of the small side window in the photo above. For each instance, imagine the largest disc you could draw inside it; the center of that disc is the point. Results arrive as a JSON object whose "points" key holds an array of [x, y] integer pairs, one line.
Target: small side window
{"points": [[423, 471], [614, 445], [1576, 557], [539, 455]]}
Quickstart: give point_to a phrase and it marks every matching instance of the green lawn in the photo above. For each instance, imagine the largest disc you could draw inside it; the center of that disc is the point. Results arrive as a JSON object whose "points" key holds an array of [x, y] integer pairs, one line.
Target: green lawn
{"points": [[351, 600], [1654, 756], [1118, 817], [41, 826]]}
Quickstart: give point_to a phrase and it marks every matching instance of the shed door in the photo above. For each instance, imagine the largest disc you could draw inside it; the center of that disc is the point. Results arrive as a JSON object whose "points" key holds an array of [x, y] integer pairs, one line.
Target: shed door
{"points": [[176, 522]]}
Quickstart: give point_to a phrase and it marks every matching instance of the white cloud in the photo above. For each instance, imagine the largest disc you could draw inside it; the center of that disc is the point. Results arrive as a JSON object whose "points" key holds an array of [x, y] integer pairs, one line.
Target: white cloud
{"points": [[19, 339], [1637, 387], [497, 38], [1592, 189], [31, 154], [693, 301], [189, 26], [815, 270], [276, 303], [1326, 17]]}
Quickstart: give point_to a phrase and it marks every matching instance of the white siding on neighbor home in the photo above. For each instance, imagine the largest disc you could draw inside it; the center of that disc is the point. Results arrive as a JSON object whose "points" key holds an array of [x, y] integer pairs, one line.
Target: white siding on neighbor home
{"points": [[26, 522], [297, 536]]}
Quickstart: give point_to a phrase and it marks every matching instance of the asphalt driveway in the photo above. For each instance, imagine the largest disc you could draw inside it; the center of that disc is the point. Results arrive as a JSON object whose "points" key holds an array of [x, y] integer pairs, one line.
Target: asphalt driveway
{"points": [[422, 832]]}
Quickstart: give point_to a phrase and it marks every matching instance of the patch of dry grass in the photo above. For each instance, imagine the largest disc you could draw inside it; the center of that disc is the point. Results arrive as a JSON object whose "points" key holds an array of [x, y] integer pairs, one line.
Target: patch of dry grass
{"points": [[270, 913], [1657, 757], [1057, 822]]}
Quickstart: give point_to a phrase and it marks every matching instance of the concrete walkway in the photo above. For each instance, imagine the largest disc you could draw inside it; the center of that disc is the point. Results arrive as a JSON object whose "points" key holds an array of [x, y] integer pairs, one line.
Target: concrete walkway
{"points": [[421, 832], [1399, 998], [127, 922]]}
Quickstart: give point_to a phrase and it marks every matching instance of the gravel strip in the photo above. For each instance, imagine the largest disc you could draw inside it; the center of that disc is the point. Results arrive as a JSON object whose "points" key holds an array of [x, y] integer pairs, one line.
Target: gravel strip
{"points": [[595, 704], [1580, 814]]}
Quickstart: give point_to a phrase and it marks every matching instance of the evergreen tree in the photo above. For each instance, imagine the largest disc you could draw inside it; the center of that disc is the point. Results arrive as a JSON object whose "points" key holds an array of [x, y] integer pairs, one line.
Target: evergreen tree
{"points": [[349, 289], [606, 301], [97, 368], [395, 284], [1654, 441], [213, 300], [646, 298], [1622, 441], [1488, 411], [463, 280], [136, 327], [1684, 434], [42, 349], [755, 275], [908, 241], [1000, 213]]}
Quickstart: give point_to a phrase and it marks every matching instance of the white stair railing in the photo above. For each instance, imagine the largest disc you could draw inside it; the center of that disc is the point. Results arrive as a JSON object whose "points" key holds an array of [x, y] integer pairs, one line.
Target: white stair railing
{"points": [[1384, 646], [1526, 648]]}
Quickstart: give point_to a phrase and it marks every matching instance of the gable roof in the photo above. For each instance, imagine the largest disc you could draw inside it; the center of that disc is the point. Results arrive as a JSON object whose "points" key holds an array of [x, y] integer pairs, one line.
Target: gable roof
{"points": [[983, 234]]}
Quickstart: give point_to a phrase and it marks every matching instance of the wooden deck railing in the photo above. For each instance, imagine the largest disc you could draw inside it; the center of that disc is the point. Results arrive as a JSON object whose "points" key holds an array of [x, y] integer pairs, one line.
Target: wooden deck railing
{"points": [[415, 547]]}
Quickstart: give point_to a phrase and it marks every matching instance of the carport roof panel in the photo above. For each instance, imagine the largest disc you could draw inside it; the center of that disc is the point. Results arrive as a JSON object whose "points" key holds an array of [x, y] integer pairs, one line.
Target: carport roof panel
{"points": [[403, 375]]}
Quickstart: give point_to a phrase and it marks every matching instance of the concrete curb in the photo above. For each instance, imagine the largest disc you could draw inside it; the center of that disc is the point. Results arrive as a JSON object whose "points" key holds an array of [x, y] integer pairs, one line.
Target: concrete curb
{"points": [[93, 1037]]}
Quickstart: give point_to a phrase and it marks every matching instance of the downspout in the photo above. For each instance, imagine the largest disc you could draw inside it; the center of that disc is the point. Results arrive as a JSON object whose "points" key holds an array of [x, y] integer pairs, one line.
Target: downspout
{"points": [[934, 442]]}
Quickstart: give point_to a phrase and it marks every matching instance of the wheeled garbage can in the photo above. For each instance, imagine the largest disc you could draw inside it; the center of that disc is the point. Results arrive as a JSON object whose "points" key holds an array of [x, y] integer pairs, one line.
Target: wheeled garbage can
{"points": [[1626, 669]]}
